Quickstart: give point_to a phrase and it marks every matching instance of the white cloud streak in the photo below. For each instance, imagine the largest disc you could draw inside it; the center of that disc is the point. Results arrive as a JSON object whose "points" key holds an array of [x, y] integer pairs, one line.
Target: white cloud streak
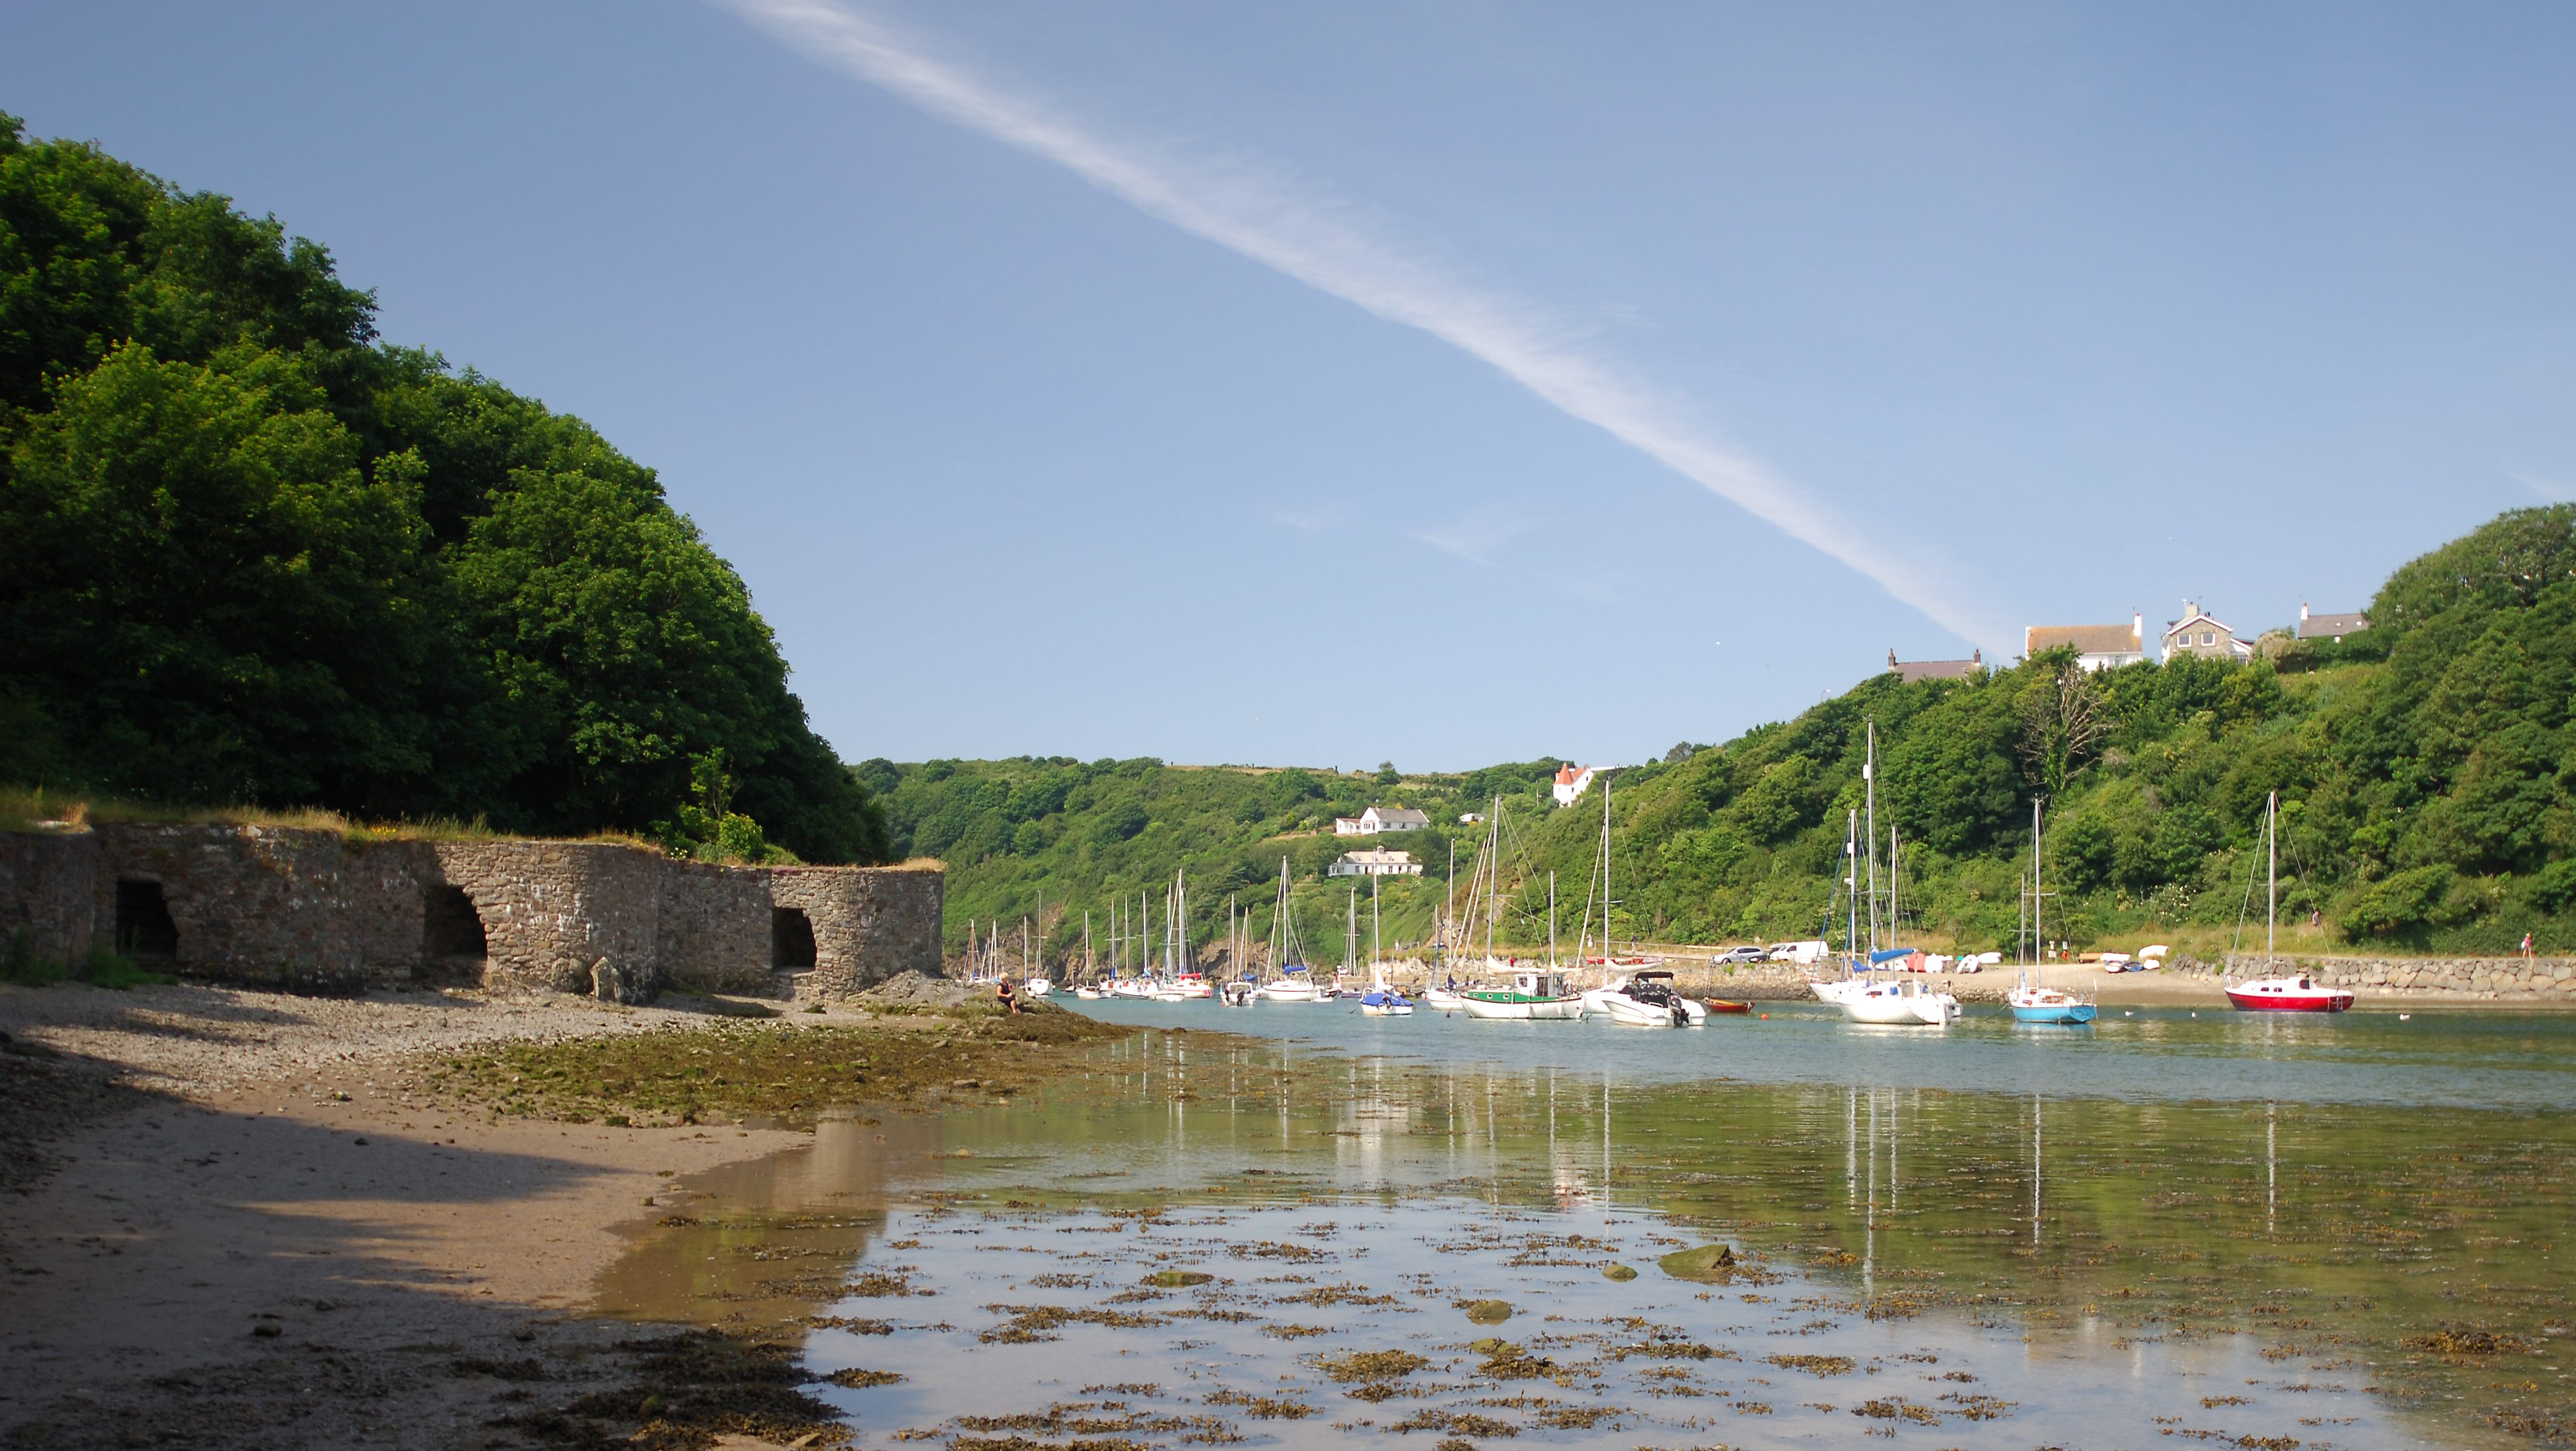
{"points": [[1339, 249], [1479, 534]]}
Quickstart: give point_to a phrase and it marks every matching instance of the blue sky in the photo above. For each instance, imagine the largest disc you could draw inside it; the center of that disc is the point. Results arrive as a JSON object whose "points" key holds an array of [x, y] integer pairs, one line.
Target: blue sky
{"points": [[1441, 383]]}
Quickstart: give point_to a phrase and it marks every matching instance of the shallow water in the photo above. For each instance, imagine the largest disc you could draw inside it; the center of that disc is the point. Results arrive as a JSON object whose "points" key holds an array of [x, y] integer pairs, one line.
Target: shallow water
{"points": [[2073, 1240]]}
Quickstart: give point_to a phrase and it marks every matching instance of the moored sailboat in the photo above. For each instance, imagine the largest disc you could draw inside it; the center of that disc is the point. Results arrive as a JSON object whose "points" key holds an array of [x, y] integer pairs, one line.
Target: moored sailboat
{"points": [[2298, 993], [2031, 1002]]}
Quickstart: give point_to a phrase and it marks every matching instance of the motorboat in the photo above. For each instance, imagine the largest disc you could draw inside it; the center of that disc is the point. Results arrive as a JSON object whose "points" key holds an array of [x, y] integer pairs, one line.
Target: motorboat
{"points": [[1444, 1000], [2049, 1005], [1132, 987], [1038, 987], [1532, 996], [1089, 993], [1239, 993], [2300, 994], [1906, 1002], [1385, 1002], [1644, 1000]]}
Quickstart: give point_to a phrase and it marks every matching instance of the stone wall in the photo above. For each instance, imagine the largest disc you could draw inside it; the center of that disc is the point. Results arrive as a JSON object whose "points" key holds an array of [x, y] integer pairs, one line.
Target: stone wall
{"points": [[564, 916], [316, 911], [49, 892], [712, 933], [263, 906], [870, 923], [2539, 979]]}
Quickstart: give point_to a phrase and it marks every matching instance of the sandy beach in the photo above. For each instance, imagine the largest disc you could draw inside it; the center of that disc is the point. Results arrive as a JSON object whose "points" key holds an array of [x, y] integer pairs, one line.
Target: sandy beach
{"points": [[232, 1221]]}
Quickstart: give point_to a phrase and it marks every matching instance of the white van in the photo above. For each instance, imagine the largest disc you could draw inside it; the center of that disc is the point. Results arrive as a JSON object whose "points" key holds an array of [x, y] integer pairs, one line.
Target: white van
{"points": [[1800, 952]]}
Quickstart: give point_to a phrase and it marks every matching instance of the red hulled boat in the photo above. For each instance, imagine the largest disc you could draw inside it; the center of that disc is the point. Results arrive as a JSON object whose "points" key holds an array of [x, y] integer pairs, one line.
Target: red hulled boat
{"points": [[2288, 995]]}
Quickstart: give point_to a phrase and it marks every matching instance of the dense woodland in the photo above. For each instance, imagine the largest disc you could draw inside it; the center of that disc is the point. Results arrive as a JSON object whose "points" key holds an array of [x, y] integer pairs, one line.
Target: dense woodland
{"points": [[249, 554], [2426, 771]]}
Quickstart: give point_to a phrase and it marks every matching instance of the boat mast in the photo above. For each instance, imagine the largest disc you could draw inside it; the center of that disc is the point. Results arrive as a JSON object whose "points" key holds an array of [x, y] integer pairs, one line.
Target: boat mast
{"points": [[1869, 838], [2038, 941], [1609, 949], [1351, 933], [2271, 875], [1493, 875], [1088, 972], [1449, 911], [1851, 876], [1551, 921], [1377, 937]]}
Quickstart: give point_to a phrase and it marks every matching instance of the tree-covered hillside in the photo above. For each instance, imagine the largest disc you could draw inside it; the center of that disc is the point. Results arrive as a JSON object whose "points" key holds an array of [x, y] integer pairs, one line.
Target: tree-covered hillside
{"points": [[251, 555], [2426, 770], [1062, 836]]}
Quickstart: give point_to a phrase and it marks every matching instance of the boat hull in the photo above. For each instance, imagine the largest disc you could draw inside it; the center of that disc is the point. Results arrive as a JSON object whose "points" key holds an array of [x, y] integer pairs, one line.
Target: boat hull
{"points": [[1723, 1005], [1885, 1006], [1500, 1009], [2314, 1001], [2071, 1014], [1618, 1007]]}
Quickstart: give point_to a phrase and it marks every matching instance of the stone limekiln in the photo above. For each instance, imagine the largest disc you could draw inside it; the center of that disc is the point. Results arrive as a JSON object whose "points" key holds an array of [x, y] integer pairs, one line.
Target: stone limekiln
{"points": [[317, 911]]}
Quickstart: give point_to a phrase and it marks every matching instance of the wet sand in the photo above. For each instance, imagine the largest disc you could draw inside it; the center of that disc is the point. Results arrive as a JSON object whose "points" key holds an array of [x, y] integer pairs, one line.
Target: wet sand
{"points": [[241, 1229]]}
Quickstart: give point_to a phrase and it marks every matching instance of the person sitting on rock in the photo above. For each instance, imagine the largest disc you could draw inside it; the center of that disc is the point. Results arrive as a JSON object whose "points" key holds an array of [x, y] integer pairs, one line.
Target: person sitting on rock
{"points": [[1010, 999]]}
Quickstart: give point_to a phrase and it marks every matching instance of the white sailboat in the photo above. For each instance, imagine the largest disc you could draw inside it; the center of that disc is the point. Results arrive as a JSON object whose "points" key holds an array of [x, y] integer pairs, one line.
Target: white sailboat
{"points": [[1868, 1000], [1293, 980]]}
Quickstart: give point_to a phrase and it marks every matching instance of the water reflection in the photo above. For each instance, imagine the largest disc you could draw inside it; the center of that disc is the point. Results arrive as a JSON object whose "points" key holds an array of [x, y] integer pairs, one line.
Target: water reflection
{"points": [[2400, 1285]]}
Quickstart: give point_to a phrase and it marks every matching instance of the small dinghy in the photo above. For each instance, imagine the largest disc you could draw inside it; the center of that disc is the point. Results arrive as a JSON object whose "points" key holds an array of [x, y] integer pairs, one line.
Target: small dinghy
{"points": [[1238, 993], [1725, 1005], [1385, 1002]]}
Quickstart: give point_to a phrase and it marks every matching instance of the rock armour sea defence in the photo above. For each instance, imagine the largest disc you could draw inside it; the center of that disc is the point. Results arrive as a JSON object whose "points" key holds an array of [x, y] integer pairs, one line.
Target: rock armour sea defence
{"points": [[319, 911]]}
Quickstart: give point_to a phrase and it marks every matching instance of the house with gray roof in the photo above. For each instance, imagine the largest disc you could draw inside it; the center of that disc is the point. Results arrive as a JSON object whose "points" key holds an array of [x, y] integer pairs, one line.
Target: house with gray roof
{"points": [[2330, 627], [1911, 671]]}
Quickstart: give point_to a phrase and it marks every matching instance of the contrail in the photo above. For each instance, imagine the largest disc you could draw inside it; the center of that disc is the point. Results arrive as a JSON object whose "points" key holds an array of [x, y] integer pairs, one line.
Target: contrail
{"points": [[1342, 250]]}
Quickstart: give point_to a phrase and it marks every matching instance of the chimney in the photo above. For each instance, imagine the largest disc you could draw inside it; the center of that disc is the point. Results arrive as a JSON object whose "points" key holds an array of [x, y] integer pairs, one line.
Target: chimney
{"points": [[2303, 612], [1977, 656], [2138, 628], [1891, 656]]}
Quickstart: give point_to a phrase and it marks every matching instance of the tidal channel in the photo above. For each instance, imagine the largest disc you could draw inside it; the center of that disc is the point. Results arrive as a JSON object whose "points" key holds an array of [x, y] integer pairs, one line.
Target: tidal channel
{"points": [[1294, 1226]]}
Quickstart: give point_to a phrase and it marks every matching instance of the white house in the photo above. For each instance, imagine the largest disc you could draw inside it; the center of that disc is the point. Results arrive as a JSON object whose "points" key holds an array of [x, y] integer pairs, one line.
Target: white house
{"points": [[1368, 863], [1571, 783], [2200, 633], [1380, 818], [2097, 647]]}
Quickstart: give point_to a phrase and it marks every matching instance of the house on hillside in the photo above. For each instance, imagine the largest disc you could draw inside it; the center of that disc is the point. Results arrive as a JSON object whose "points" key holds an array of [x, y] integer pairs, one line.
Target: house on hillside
{"points": [[2199, 633], [1380, 818], [1368, 863], [2097, 647], [2330, 627], [1572, 783], [1910, 671]]}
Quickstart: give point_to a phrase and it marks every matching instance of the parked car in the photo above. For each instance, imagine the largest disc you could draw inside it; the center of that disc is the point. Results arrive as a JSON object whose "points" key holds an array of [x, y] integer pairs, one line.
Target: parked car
{"points": [[1733, 955], [1800, 952]]}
